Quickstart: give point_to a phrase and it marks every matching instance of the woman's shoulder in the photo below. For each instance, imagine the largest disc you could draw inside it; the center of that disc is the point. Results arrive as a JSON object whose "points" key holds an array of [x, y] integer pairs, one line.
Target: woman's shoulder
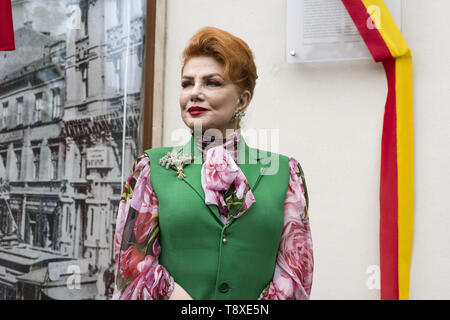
{"points": [[145, 158], [141, 162], [261, 153], [298, 176], [159, 151]]}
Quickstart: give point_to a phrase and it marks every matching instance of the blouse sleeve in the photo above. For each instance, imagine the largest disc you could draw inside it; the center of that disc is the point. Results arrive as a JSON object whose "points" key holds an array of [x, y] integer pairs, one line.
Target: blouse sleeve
{"points": [[294, 266], [138, 275]]}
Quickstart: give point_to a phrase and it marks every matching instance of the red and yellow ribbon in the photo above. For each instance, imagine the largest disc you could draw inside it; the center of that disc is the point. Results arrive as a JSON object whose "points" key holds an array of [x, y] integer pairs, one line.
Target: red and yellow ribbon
{"points": [[386, 44]]}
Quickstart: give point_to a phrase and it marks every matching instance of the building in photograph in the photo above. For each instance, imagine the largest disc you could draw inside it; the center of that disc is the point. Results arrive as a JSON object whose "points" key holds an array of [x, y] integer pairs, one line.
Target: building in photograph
{"points": [[33, 273], [65, 135], [33, 86], [100, 55]]}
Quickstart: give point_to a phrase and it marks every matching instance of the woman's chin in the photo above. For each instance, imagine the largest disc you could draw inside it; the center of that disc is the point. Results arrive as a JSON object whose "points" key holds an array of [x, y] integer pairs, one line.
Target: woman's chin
{"points": [[198, 123], [201, 124]]}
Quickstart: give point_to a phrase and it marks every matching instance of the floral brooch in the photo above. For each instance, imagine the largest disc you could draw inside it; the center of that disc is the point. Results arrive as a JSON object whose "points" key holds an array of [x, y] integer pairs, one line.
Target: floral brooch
{"points": [[176, 160]]}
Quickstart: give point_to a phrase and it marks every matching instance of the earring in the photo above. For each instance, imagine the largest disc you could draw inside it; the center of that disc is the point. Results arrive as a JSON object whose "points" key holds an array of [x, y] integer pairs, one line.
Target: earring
{"points": [[238, 114]]}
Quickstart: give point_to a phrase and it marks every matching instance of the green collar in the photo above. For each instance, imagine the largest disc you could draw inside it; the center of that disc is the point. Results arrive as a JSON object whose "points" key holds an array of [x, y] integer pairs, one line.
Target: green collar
{"points": [[251, 161]]}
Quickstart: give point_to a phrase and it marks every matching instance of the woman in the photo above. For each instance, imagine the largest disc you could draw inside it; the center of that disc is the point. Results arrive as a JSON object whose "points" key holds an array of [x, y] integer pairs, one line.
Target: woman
{"points": [[218, 228]]}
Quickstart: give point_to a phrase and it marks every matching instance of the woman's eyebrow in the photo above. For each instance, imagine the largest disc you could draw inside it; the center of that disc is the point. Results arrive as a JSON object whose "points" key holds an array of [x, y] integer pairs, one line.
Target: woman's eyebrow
{"points": [[204, 77]]}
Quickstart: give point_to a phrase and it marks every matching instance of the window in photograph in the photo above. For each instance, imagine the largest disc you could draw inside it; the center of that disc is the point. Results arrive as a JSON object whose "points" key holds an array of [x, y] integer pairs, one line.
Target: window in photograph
{"points": [[3, 159], [56, 103], [36, 162], [38, 107], [19, 112], [92, 223], [18, 154], [54, 161], [5, 115]]}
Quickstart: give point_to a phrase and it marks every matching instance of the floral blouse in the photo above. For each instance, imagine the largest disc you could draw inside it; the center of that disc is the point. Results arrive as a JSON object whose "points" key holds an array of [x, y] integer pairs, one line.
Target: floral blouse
{"points": [[136, 245]]}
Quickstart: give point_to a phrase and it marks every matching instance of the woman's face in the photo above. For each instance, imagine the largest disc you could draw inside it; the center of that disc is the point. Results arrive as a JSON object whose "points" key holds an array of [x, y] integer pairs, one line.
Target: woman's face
{"points": [[207, 98]]}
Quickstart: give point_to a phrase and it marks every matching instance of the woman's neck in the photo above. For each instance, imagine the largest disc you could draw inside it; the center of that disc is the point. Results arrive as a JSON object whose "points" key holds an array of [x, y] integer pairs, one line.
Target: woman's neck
{"points": [[204, 142]]}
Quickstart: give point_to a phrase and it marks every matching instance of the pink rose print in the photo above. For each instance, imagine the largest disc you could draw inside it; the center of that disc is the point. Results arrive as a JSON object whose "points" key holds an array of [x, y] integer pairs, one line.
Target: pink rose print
{"points": [[221, 173], [273, 293], [129, 262], [150, 283], [148, 216], [218, 172]]}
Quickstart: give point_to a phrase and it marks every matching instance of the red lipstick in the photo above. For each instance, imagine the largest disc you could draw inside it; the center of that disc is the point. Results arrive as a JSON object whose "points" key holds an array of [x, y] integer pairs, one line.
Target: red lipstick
{"points": [[196, 110]]}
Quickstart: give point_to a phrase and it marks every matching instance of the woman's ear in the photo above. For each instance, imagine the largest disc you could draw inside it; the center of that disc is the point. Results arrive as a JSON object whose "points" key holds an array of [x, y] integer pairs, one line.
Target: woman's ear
{"points": [[244, 99]]}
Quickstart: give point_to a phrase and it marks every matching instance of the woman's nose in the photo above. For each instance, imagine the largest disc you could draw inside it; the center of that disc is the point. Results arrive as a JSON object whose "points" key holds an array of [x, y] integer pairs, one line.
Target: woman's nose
{"points": [[196, 92]]}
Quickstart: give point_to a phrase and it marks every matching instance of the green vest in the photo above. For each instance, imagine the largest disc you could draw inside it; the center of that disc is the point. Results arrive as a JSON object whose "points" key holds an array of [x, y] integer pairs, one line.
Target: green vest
{"points": [[192, 234]]}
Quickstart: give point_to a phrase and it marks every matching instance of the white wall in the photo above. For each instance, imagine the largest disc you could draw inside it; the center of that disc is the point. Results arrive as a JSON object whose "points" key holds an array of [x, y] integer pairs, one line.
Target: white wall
{"points": [[330, 119]]}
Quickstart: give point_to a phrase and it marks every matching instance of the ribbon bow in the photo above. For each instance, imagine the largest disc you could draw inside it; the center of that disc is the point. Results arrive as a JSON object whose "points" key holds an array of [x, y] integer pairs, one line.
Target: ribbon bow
{"points": [[221, 173]]}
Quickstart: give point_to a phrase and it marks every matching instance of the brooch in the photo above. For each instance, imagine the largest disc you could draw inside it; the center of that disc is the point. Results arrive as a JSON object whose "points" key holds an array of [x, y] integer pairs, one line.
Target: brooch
{"points": [[176, 160]]}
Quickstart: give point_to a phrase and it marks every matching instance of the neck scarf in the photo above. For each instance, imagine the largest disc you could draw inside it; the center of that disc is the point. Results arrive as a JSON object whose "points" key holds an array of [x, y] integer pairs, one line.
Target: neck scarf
{"points": [[230, 143], [223, 182]]}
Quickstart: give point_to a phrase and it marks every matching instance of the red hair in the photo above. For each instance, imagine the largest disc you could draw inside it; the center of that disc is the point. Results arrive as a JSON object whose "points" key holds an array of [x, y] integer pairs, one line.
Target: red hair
{"points": [[227, 49]]}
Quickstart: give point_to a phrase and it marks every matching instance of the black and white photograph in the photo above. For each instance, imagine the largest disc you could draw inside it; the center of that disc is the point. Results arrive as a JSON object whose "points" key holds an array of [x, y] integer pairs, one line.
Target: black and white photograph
{"points": [[71, 118]]}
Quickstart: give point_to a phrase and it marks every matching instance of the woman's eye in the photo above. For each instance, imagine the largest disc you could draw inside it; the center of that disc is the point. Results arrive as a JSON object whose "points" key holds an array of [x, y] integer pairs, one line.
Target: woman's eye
{"points": [[213, 83], [185, 84]]}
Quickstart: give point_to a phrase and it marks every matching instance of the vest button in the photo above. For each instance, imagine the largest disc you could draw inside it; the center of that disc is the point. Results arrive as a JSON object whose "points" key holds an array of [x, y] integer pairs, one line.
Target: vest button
{"points": [[224, 240], [224, 287]]}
